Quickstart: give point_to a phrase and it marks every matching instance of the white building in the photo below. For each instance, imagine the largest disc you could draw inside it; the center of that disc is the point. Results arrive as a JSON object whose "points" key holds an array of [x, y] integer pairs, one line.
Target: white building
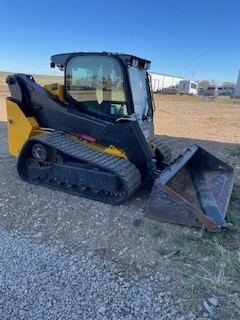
{"points": [[160, 81], [237, 88]]}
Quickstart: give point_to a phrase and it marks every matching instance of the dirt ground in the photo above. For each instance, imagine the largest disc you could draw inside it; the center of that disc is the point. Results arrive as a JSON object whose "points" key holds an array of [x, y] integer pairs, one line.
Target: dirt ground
{"points": [[121, 232], [212, 124], [185, 120], [4, 92], [191, 119]]}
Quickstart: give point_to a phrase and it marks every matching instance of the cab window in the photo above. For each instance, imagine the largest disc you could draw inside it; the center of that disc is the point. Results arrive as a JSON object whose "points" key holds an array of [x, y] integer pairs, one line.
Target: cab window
{"points": [[94, 84]]}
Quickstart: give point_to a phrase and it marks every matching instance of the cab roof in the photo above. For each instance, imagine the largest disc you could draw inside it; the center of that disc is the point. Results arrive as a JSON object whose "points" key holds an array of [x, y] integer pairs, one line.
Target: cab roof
{"points": [[61, 60]]}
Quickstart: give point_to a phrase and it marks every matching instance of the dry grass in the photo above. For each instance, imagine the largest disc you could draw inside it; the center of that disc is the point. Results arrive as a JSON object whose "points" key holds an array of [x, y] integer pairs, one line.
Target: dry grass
{"points": [[42, 79]]}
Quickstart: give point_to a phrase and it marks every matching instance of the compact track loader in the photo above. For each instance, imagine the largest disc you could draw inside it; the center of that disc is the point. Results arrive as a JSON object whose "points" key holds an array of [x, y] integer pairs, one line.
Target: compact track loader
{"points": [[94, 137]]}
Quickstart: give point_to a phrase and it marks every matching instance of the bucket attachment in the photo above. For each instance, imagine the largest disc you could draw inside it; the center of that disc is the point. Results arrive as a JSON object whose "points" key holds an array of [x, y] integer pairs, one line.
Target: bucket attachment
{"points": [[194, 191]]}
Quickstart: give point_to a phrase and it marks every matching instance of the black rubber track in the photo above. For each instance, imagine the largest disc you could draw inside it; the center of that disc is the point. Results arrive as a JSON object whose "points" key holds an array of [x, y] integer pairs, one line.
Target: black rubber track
{"points": [[128, 174], [163, 152]]}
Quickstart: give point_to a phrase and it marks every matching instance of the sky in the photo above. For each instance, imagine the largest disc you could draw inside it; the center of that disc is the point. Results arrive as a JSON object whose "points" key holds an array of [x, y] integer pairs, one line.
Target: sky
{"points": [[196, 40]]}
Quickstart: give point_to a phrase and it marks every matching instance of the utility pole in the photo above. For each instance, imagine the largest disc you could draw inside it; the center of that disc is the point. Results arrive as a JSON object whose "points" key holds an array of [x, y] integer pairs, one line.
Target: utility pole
{"points": [[237, 87], [192, 74]]}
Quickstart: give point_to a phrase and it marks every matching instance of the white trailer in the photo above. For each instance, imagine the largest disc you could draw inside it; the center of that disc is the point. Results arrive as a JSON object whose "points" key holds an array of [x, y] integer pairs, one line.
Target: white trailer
{"points": [[188, 87], [160, 81]]}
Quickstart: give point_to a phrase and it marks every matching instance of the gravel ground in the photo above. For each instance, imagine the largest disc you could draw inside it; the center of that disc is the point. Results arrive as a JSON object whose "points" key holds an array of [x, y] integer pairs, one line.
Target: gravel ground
{"points": [[39, 281], [68, 258], [64, 257]]}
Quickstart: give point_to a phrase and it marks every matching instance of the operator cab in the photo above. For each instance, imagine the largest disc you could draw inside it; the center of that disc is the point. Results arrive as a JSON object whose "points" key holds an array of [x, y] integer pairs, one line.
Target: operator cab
{"points": [[107, 85]]}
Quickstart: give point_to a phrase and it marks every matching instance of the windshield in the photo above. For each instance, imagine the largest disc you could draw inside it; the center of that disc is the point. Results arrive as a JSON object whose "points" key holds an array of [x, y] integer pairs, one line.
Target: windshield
{"points": [[94, 84], [140, 93]]}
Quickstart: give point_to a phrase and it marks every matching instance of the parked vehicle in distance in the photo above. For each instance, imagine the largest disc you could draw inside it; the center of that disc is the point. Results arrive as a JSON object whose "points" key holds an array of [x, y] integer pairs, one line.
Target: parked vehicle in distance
{"points": [[170, 90], [225, 91], [219, 91], [201, 91], [211, 91], [187, 87]]}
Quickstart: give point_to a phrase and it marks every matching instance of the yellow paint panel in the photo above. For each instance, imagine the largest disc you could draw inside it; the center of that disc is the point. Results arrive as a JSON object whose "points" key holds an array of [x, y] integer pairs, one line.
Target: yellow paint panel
{"points": [[57, 90], [20, 127], [112, 150]]}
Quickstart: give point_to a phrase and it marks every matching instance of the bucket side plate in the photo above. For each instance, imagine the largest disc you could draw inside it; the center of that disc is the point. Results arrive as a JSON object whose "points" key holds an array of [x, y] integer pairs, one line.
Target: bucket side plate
{"points": [[194, 191]]}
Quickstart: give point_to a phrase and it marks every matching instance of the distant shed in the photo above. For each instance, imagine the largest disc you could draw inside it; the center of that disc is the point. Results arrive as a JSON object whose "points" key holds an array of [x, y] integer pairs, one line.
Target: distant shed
{"points": [[160, 81]]}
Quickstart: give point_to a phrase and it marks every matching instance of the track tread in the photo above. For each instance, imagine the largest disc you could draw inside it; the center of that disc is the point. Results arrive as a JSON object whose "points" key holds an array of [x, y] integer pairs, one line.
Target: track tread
{"points": [[125, 170], [163, 149]]}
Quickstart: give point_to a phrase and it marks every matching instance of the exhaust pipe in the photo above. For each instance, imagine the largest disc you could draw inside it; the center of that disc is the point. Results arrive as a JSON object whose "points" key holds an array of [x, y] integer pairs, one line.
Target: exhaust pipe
{"points": [[194, 191]]}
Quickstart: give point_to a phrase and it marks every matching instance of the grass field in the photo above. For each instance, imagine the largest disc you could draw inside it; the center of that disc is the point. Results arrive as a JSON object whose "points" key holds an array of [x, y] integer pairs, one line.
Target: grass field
{"points": [[42, 79]]}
